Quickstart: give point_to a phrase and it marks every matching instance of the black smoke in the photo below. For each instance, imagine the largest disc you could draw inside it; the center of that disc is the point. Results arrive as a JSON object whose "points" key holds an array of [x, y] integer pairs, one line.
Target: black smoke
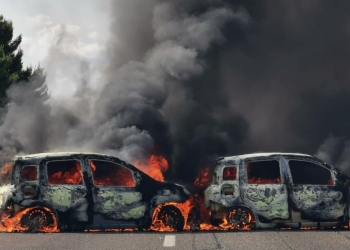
{"points": [[193, 80], [289, 77]]}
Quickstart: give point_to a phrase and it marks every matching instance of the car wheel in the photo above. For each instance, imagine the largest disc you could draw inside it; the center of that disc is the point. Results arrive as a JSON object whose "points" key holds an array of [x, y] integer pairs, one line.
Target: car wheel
{"points": [[36, 219], [241, 218], [172, 217]]}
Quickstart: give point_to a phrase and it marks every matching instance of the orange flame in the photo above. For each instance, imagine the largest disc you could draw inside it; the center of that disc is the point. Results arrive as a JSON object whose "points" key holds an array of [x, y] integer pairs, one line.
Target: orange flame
{"points": [[114, 177], [185, 207], [203, 178], [155, 166], [73, 176], [254, 180], [13, 224], [5, 172]]}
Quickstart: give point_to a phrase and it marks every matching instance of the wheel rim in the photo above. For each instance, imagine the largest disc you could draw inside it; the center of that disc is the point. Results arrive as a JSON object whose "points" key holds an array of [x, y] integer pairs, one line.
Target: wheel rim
{"points": [[170, 217], [36, 220], [241, 218]]}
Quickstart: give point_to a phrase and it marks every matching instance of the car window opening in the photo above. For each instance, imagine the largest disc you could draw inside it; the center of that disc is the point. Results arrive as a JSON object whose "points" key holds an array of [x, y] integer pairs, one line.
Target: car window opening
{"points": [[111, 174], [229, 174], [263, 172], [64, 172], [30, 173], [308, 173]]}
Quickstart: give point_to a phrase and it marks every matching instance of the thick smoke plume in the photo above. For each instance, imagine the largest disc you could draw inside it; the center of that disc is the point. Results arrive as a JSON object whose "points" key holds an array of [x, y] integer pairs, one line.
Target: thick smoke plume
{"points": [[194, 80]]}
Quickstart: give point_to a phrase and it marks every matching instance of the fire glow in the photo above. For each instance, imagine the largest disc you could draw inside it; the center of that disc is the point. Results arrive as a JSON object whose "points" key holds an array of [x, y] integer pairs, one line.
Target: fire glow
{"points": [[203, 178], [108, 179], [14, 224], [5, 172], [72, 176], [155, 166]]}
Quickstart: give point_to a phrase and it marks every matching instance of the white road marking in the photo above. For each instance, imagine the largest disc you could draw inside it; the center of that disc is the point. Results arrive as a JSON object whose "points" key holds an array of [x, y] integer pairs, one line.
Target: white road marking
{"points": [[169, 241]]}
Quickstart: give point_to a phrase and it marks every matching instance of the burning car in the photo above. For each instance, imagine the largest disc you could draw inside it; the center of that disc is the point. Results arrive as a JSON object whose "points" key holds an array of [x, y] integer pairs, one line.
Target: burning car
{"points": [[267, 190], [79, 191]]}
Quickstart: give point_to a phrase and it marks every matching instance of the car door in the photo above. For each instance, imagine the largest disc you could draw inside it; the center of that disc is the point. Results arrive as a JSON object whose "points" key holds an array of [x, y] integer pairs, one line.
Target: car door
{"points": [[314, 193], [26, 178], [114, 191], [264, 188], [63, 186]]}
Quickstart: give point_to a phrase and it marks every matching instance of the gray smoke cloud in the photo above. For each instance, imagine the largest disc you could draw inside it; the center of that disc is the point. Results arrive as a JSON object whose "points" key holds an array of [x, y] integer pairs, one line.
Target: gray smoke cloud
{"points": [[194, 80], [156, 50]]}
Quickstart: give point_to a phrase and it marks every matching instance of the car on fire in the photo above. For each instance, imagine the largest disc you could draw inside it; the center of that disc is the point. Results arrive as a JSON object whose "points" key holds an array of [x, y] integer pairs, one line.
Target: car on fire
{"points": [[267, 190], [80, 191]]}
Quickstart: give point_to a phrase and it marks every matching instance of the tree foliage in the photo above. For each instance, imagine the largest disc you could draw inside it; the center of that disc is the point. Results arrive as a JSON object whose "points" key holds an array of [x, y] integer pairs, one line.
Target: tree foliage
{"points": [[11, 65]]}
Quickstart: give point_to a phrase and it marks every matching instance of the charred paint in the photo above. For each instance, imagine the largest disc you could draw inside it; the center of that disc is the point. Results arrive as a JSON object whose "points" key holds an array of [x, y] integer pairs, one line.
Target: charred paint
{"points": [[318, 202], [214, 194], [72, 203], [119, 204], [273, 204], [270, 200]]}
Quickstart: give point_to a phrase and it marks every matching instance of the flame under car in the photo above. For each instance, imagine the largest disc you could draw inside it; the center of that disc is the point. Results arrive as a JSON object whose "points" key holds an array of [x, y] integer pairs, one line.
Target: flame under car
{"points": [[268, 190], [81, 191]]}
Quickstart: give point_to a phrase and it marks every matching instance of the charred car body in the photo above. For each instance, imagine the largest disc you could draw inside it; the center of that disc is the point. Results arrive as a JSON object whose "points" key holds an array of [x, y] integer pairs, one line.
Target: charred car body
{"points": [[267, 190], [87, 191]]}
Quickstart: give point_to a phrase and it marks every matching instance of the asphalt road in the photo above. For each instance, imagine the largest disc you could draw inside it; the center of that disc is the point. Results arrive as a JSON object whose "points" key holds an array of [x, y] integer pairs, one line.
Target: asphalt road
{"points": [[200, 240]]}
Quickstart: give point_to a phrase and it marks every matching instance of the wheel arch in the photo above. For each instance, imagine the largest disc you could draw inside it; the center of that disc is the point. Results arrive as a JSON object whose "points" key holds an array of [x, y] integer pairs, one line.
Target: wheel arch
{"points": [[45, 209]]}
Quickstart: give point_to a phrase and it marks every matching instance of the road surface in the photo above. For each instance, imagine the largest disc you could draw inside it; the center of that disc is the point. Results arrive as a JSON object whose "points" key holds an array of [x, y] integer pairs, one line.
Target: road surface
{"points": [[280, 240]]}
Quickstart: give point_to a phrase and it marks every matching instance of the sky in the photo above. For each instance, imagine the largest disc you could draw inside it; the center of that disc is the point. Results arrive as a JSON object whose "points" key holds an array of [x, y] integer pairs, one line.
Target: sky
{"points": [[42, 22], [39, 23]]}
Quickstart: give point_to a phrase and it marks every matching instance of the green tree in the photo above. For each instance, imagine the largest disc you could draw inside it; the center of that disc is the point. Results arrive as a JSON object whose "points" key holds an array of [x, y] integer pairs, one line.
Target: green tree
{"points": [[11, 65]]}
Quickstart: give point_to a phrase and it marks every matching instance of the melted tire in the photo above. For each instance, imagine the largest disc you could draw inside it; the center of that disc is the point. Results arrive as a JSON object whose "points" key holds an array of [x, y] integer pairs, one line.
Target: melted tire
{"points": [[241, 217], [171, 216], [36, 219]]}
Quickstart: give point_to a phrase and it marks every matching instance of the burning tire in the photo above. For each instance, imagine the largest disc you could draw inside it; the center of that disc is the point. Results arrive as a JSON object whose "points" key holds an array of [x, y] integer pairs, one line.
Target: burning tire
{"points": [[36, 219], [171, 216], [241, 218]]}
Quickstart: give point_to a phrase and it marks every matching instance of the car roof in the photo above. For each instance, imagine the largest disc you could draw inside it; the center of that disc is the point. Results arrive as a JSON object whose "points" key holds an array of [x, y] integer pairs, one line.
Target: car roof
{"points": [[36, 158], [55, 154], [257, 155]]}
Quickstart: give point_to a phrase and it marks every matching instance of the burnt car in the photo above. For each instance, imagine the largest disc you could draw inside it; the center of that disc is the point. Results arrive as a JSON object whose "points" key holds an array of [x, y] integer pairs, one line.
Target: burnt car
{"points": [[267, 190], [79, 191]]}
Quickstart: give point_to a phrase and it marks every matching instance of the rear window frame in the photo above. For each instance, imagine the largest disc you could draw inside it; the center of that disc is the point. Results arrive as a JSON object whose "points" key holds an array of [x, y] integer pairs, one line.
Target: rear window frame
{"points": [[230, 166], [29, 165]]}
